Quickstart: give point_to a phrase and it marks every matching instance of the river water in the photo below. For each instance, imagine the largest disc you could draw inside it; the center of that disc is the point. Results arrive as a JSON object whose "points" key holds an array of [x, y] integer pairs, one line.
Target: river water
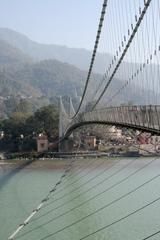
{"points": [[100, 199]]}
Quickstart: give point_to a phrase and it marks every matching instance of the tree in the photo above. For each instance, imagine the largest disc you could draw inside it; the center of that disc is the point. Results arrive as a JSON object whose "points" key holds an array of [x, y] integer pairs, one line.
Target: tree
{"points": [[47, 120], [19, 128], [24, 106], [11, 104]]}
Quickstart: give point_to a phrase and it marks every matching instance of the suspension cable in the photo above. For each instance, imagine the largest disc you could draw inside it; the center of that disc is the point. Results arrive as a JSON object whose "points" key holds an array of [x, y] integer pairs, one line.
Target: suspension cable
{"points": [[152, 235], [89, 189], [97, 195], [106, 226], [47, 197], [103, 207], [93, 55], [146, 5]]}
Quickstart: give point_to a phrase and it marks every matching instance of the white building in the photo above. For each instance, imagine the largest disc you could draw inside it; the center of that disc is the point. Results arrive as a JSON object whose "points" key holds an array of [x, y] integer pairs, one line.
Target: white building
{"points": [[42, 143]]}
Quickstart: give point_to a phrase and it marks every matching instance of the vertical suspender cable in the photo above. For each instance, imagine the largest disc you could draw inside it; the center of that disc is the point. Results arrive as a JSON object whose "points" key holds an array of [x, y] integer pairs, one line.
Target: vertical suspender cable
{"points": [[147, 4], [93, 54]]}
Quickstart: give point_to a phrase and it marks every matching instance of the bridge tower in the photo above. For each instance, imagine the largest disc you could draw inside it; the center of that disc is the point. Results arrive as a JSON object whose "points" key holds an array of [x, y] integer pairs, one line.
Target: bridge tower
{"points": [[64, 119], [71, 108]]}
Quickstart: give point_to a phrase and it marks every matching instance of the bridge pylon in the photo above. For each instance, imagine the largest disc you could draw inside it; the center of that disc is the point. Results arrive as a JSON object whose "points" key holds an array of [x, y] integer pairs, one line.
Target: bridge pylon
{"points": [[64, 119]]}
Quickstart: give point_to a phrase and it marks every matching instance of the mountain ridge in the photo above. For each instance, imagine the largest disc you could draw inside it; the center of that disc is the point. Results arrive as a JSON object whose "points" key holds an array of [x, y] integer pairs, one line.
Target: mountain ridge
{"points": [[38, 51]]}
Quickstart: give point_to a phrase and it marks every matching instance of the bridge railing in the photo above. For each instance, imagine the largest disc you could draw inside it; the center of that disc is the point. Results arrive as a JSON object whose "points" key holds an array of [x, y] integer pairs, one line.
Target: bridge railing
{"points": [[144, 117]]}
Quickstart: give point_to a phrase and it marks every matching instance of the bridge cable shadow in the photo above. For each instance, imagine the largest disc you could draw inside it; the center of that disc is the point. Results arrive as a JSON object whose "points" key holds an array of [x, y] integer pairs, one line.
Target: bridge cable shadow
{"points": [[7, 177]]}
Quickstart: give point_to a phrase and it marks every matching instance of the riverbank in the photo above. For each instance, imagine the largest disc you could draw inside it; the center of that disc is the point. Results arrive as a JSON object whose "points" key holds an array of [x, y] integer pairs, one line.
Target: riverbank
{"points": [[45, 163], [38, 164]]}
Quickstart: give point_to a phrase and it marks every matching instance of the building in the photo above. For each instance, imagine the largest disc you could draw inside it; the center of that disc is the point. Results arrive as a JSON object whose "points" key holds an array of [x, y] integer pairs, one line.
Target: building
{"points": [[90, 142], [147, 149], [115, 133], [143, 138], [155, 140], [42, 143]]}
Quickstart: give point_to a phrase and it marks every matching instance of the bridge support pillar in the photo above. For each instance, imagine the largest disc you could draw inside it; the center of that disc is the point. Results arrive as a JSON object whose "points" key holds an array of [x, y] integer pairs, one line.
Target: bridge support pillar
{"points": [[66, 145]]}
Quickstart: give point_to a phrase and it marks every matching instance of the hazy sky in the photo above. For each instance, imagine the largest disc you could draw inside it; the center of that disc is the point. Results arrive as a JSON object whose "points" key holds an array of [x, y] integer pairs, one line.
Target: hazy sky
{"points": [[66, 22], [74, 23]]}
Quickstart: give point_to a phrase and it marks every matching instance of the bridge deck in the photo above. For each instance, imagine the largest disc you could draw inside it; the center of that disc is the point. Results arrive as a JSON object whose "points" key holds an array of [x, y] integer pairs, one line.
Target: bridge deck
{"points": [[145, 118]]}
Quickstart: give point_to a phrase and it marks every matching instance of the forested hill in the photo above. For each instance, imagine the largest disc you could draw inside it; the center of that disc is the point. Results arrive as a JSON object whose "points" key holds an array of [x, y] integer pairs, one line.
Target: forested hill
{"points": [[24, 76], [78, 57], [49, 77], [12, 56], [37, 82]]}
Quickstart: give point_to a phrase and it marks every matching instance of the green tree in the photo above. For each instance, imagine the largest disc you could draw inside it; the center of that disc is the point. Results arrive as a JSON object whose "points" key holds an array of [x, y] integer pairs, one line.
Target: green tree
{"points": [[21, 128], [47, 120], [23, 106], [44, 120]]}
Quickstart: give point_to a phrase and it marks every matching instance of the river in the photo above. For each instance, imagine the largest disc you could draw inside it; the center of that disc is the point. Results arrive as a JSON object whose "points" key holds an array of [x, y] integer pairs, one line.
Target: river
{"points": [[98, 199]]}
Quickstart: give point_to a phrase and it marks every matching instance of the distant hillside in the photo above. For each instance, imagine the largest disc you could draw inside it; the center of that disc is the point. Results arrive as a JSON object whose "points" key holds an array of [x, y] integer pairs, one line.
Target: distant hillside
{"points": [[74, 56], [78, 57], [48, 78], [24, 74], [9, 85], [51, 77], [19, 75], [10, 55]]}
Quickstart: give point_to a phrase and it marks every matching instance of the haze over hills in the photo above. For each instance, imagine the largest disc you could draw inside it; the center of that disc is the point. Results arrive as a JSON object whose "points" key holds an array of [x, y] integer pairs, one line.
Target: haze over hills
{"points": [[10, 55], [22, 77], [34, 70], [48, 77], [51, 77], [74, 56], [78, 57]]}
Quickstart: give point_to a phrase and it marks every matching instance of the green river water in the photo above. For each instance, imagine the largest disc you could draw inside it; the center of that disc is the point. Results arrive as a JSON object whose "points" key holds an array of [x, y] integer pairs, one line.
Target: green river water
{"points": [[21, 190]]}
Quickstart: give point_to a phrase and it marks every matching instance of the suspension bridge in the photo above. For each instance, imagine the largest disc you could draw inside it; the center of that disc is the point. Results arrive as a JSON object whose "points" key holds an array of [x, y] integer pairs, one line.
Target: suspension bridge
{"points": [[128, 95], [136, 82]]}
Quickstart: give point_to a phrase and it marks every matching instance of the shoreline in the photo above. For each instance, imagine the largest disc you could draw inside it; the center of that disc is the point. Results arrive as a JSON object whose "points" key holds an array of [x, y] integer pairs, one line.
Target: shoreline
{"points": [[48, 164], [51, 163]]}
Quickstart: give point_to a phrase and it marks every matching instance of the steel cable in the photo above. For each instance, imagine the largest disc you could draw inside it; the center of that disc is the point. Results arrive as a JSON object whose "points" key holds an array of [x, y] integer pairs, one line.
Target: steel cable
{"points": [[97, 195], [93, 55], [147, 4]]}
